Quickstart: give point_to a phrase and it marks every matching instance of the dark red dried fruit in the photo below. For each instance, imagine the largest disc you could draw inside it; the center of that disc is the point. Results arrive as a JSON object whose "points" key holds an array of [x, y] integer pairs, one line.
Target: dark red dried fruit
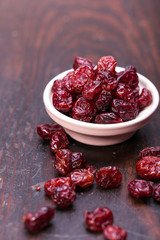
{"points": [[78, 160], [148, 167], [98, 219], [109, 82], [156, 193], [144, 99], [112, 232], [63, 196], [68, 81], [124, 92], [62, 101], [107, 118], [58, 85], [36, 221], [126, 110], [63, 162], [103, 100], [50, 185], [91, 169], [107, 64], [47, 130], [149, 151], [80, 61], [140, 188], [58, 141], [91, 89], [108, 177], [129, 77], [82, 177]]}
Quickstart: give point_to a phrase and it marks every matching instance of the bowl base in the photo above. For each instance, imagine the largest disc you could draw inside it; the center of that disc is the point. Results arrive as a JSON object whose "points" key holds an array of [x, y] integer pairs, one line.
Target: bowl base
{"points": [[99, 140]]}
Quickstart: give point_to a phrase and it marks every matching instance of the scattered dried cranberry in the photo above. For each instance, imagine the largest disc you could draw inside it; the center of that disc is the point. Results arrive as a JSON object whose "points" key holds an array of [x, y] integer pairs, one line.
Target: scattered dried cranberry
{"points": [[140, 188], [129, 77], [98, 219], [50, 185], [78, 160], [82, 177], [58, 141], [107, 63], [36, 221], [149, 151], [62, 161], [62, 101], [47, 130], [112, 232], [108, 177], [103, 100], [156, 193], [144, 99], [148, 167], [91, 89], [91, 169], [107, 118], [63, 196], [79, 61]]}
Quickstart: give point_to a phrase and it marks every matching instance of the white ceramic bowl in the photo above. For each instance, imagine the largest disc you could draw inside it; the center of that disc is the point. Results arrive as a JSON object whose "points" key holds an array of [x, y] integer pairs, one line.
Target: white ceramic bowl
{"points": [[101, 134]]}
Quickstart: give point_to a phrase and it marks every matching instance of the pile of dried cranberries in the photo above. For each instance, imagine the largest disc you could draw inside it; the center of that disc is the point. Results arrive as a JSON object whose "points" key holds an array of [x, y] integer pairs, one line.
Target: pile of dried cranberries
{"points": [[99, 94]]}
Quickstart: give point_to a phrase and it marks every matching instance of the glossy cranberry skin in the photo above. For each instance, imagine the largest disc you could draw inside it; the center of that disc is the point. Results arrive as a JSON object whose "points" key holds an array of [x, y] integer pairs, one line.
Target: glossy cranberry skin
{"points": [[98, 219], [63, 196], [156, 193], [63, 162], [58, 141], [47, 130], [62, 101], [80, 61], [78, 160], [58, 85], [36, 221], [129, 77], [82, 177], [50, 185], [140, 188], [107, 118], [91, 89], [124, 92], [149, 151], [91, 169], [68, 81], [103, 100], [148, 167], [112, 232], [109, 82], [145, 99], [107, 64]]}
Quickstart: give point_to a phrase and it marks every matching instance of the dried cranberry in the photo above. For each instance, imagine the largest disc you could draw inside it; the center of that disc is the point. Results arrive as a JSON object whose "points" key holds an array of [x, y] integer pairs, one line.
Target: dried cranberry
{"points": [[50, 185], [126, 110], [156, 193], [91, 89], [62, 101], [62, 161], [68, 81], [47, 130], [129, 77], [58, 141], [98, 219], [82, 177], [144, 99], [108, 177], [148, 167], [109, 82], [124, 92], [112, 232], [80, 61], [107, 118], [36, 221], [107, 64], [63, 196], [58, 85], [149, 151], [103, 100], [78, 160], [140, 188], [91, 169]]}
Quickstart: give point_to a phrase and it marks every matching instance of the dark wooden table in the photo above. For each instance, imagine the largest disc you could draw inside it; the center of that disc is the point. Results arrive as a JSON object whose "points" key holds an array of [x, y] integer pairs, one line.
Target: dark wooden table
{"points": [[39, 39]]}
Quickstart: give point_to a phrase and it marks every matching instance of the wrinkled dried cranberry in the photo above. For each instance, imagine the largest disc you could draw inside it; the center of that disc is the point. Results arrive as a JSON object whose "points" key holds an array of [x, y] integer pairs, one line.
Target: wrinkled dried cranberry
{"points": [[144, 99], [62, 161], [82, 177], [103, 100], [156, 193], [58, 85], [140, 188], [68, 81], [80, 61], [107, 118], [108, 177], [129, 77], [126, 110], [109, 82], [63, 196], [50, 185], [36, 221], [98, 219], [148, 167], [47, 130], [112, 232], [84, 110], [124, 92], [58, 141], [62, 101], [78, 160], [91, 169], [149, 151], [91, 89], [107, 63]]}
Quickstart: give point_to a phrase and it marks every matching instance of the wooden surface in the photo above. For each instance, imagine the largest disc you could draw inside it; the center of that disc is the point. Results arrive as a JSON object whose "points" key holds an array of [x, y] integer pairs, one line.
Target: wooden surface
{"points": [[39, 39]]}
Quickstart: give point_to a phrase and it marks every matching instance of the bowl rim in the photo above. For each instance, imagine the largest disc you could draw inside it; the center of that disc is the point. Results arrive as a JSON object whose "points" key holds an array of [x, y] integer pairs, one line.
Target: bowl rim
{"points": [[142, 116]]}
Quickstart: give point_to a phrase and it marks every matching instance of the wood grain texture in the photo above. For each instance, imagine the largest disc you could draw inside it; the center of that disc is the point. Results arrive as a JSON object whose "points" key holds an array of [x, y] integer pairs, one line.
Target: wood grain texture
{"points": [[39, 39]]}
